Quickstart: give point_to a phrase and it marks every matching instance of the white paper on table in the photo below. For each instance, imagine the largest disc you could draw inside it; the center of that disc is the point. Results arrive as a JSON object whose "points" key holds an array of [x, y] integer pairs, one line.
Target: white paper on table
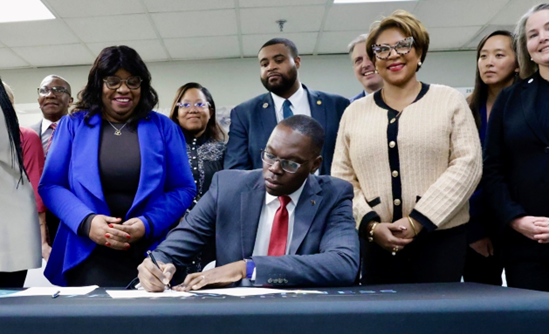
{"points": [[244, 292], [51, 290], [125, 294]]}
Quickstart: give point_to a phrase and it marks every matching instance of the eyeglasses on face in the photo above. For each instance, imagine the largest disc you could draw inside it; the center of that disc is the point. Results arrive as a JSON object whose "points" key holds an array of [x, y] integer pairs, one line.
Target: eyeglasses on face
{"points": [[56, 90], [187, 105], [114, 82], [383, 51], [287, 165]]}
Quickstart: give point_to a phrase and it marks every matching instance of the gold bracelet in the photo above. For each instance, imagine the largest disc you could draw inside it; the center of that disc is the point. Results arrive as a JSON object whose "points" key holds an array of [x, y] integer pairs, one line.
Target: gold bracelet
{"points": [[413, 225], [371, 233]]}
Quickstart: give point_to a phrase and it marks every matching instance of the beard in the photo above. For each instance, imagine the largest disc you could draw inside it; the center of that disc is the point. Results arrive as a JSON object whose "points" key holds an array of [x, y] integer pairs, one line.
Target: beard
{"points": [[283, 85]]}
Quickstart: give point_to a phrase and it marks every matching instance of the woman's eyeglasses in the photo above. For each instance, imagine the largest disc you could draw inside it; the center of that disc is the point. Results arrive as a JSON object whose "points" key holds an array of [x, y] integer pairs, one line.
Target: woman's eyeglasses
{"points": [[383, 51], [114, 82], [187, 105]]}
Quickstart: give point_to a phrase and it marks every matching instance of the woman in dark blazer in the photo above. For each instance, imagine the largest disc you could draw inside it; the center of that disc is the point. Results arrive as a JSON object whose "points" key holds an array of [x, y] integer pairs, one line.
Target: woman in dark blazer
{"points": [[117, 176], [516, 170]]}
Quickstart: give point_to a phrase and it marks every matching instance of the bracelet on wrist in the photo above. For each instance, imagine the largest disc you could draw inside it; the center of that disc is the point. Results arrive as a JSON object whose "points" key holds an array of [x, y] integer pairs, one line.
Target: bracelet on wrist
{"points": [[371, 233], [412, 225]]}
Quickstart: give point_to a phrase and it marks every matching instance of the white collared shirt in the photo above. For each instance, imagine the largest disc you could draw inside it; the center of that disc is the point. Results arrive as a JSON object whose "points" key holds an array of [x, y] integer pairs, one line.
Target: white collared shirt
{"points": [[46, 132], [263, 236], [299, 100]]}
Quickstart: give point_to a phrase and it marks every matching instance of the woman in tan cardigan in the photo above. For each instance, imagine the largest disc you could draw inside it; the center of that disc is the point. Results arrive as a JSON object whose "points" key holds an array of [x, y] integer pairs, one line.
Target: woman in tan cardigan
{"points": [[412, 153]]}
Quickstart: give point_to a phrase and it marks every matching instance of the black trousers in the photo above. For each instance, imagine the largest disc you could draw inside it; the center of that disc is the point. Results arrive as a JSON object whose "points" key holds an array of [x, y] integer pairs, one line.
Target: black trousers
{"points": [[480, 269], [532, 275], [437, 256], [14, 279], [52, 222]]}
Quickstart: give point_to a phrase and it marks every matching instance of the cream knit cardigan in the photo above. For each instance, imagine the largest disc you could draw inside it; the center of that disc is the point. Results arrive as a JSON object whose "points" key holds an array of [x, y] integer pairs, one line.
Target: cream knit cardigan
{"points": [[439, 154]]}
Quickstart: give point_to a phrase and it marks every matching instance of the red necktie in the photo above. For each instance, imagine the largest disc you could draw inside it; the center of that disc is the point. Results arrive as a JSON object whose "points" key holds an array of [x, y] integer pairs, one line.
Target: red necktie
{"points": [[279, 232], [52, 127]]}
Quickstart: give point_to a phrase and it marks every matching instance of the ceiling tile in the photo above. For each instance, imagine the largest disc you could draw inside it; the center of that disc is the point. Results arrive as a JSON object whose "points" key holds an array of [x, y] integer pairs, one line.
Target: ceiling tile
{"points": [[36, 33], [279, 3], [195, 24], [203, 47], [8, 59], [453, 38], [298, 19], [86, 8], [112, 28], [336, 41], [55, 55], [305, 42], [361, 16], [457, 13], [154, 6], [149, 50], [487, 30], [512, 13]]}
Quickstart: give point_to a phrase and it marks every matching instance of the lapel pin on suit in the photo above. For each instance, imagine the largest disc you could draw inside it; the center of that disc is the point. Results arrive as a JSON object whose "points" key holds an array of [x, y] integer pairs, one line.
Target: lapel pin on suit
{"points": [[313, 202], [265, 105], [318, 102]]}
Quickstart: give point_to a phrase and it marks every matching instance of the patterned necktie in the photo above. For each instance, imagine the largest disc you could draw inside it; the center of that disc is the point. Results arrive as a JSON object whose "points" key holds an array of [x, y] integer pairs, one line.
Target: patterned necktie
{"points": [[52, 126], [279, 231], [287, 112]]}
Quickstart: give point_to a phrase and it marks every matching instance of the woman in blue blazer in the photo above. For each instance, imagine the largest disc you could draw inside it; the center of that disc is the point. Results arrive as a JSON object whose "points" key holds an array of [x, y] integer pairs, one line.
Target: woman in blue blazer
{"points": [[516, 159], [117, 175]]}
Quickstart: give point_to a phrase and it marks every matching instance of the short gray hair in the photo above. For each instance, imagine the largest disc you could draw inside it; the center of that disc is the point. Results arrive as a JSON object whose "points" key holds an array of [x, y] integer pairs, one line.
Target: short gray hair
{"points": [[60, 78], [360, 39], [527, 67]]}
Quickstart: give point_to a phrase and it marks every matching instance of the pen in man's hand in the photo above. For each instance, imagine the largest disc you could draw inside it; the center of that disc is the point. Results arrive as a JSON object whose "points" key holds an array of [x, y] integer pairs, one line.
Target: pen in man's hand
{"points": [[151, 256], [55, 295]]}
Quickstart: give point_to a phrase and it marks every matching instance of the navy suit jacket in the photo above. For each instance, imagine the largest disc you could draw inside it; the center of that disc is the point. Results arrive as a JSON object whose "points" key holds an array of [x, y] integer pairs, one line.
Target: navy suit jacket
{"points": [[253, 121], [324, 250], [359, 96], [516, 173], [71, 185]]}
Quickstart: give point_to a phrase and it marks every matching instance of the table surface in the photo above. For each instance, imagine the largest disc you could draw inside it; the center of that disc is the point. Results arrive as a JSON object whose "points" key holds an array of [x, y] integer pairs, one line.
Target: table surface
{"points": [[438, 307]]}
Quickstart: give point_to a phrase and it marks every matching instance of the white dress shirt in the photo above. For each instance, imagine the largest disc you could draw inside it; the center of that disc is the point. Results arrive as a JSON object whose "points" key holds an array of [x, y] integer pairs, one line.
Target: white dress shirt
{"points": [[263, 236], [299, 100]]}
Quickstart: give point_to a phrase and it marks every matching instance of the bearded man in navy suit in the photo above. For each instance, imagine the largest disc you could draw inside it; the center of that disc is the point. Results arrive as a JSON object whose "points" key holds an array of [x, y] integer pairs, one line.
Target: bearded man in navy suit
{"points": [[254, 120], [279, 226]]}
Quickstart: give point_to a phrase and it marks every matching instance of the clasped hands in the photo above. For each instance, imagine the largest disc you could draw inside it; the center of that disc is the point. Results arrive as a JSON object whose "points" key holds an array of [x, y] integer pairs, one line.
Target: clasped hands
{"points": [[534, 228], [108, 231], [395, 236], [155, 279]]}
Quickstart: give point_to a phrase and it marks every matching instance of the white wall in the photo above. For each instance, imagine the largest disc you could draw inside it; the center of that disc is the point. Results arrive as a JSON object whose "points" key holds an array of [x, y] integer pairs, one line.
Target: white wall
{"points": [[233, 81]]}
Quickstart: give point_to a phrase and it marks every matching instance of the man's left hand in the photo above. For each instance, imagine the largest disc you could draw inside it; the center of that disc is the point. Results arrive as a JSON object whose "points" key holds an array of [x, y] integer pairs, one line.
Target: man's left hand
{"points": [[217, 277]]}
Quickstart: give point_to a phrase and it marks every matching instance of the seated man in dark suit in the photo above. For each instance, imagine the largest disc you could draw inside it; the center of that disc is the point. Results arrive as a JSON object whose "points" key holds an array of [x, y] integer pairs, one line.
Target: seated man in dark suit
{"points": [[280, 226], [253, 120]]}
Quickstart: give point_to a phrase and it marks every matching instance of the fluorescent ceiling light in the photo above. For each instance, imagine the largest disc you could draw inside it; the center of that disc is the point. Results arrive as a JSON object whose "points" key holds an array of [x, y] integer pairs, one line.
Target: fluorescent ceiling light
{"points": [[24, 10], [362, 1]]}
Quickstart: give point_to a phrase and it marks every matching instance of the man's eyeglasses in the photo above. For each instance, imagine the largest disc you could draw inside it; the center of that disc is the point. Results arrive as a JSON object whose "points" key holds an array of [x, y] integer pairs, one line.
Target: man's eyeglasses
{"points": [[56, 90], [187, 105], [287, 165], [383, 51], [114, 82]]}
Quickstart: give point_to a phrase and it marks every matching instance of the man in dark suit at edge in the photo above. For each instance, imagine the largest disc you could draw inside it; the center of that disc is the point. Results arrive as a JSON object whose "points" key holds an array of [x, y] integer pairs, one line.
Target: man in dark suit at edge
{"points": [[253, 120], [279, 226]]}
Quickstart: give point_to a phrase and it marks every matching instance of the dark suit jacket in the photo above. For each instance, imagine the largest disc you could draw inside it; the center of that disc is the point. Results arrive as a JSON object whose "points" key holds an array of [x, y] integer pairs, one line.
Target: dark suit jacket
{"points": [[37, 127], [516, 166], [359, 96], [324, 249], [253, 121]]}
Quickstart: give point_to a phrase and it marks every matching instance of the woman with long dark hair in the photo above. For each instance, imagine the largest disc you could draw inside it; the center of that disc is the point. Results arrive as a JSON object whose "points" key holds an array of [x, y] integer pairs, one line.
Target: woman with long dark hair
{"points": [[19, 227], [497, 68], [117, 175]]}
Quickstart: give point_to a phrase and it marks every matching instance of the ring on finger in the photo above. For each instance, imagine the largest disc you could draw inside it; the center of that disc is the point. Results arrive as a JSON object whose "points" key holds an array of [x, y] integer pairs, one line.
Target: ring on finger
{"points": [[395, 250]]}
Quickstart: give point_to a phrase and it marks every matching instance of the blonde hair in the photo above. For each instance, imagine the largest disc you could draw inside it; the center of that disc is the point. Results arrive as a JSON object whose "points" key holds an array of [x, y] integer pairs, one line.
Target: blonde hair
{"points": [[9, 92], [526, 65], [405, 22]]}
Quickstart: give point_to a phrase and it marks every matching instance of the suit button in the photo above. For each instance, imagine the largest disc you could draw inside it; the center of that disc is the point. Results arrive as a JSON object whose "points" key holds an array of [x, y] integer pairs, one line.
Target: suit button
{"points": [[394, 173], [285, 281], [392, 144], [270, 280], [396, 202]]}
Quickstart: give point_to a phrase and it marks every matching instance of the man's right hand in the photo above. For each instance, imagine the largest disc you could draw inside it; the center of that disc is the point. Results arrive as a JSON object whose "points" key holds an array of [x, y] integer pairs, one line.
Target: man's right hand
{"points": [[152, 278]]}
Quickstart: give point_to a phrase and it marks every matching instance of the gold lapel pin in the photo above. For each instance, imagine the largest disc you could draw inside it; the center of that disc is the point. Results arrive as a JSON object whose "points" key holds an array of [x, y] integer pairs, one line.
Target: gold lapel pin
{"points": [[265, 105], [313, 202], [319, 102]]}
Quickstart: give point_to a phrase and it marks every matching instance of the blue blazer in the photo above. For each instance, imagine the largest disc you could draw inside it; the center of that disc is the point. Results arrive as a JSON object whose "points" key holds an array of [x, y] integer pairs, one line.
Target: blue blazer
{"points": [[253, 121], [324, 250], [359, 96], [71, 186]]}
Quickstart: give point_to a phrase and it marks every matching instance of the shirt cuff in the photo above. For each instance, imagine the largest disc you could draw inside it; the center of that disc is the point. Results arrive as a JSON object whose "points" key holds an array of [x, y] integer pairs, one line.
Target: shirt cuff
{"points": [[250, 269], [85, 226]]}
